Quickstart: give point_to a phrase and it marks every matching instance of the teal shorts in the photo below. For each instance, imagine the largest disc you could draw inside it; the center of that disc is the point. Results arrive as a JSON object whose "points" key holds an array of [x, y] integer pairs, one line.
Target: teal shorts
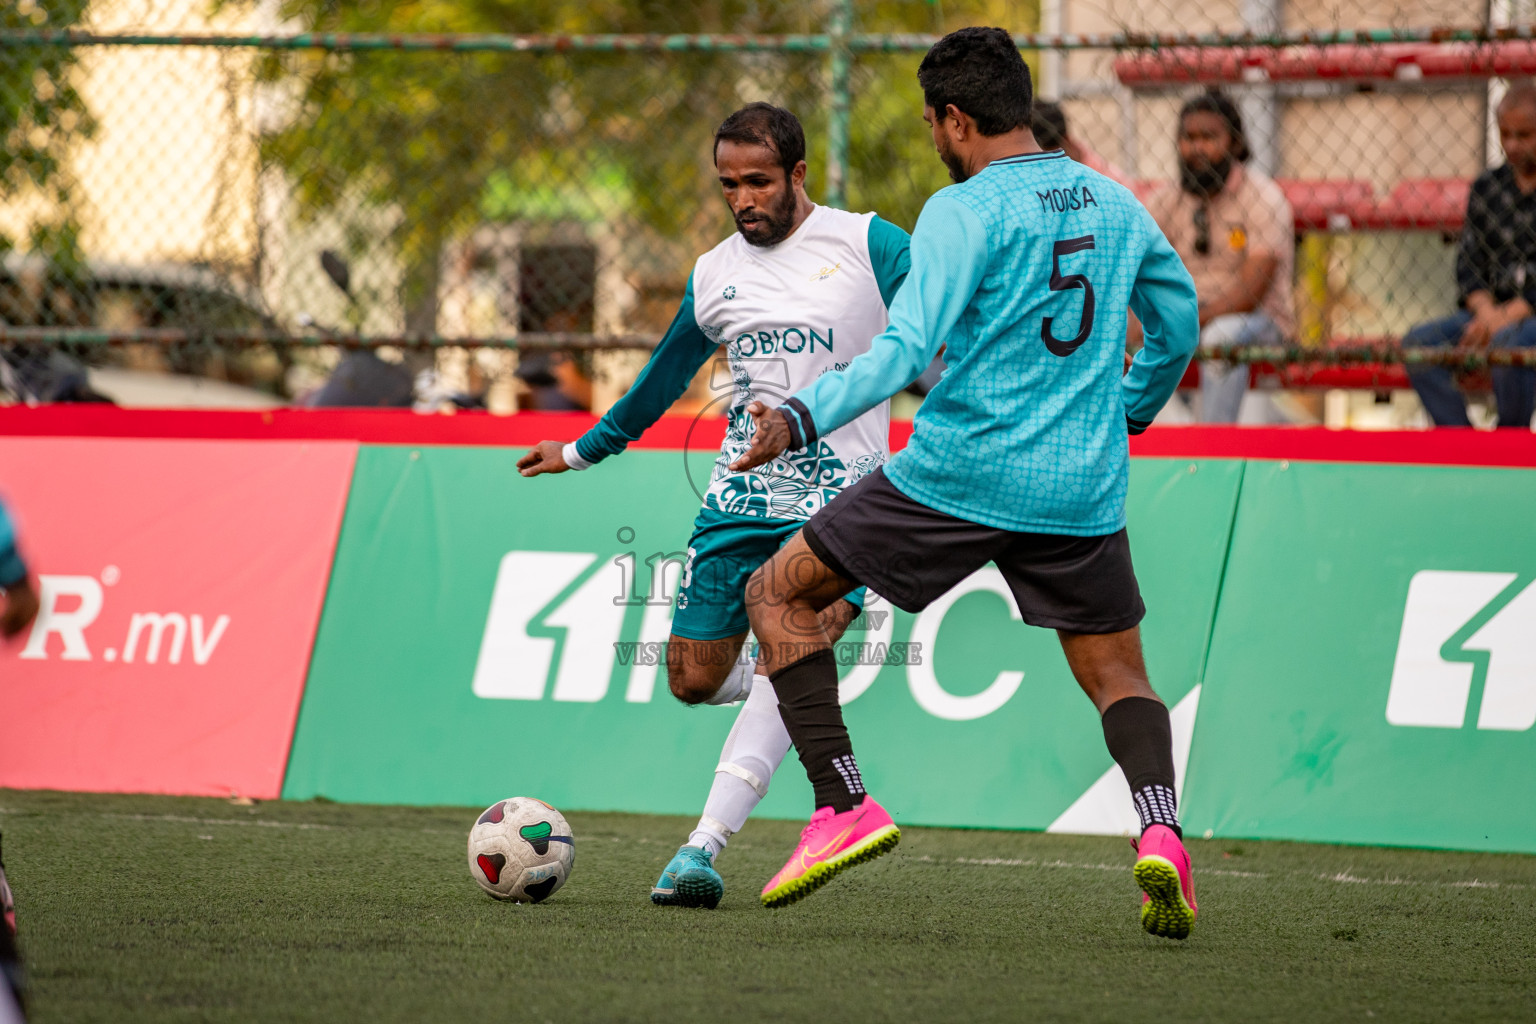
{"points": [[724, 551]]}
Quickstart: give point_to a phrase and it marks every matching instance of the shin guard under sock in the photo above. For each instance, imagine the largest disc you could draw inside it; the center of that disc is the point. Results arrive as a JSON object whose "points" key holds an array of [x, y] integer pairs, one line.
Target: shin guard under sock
{"points": [[1139, 735], [753, 751], [808, 703]]}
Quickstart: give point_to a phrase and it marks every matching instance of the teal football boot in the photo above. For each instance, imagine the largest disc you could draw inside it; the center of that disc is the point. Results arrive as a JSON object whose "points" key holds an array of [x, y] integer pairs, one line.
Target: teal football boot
{"points": [[689, 880]]}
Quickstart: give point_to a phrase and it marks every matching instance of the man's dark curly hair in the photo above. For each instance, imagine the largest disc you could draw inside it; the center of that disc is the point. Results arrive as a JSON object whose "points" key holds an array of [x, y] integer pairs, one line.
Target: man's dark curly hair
{"points": [[980, 71], [763, 124]]}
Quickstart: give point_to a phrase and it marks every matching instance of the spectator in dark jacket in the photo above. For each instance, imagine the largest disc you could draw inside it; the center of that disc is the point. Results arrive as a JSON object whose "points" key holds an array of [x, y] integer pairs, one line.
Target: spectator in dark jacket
{"points": [[1495, 278]]}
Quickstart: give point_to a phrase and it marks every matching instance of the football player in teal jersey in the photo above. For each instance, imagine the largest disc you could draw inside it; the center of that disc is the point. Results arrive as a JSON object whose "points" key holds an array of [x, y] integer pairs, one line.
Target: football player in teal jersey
{"points": [[797, 290], [1024, 270]]}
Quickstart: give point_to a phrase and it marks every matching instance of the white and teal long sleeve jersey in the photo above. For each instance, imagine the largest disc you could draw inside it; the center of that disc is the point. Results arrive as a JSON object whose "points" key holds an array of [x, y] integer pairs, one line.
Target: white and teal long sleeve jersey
{"points": [[1024, 272], [786, 314]]}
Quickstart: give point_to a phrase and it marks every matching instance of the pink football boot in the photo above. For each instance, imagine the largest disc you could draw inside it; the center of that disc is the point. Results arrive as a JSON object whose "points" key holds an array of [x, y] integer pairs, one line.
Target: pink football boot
{"points": [[1162, 870], [830, 843]]}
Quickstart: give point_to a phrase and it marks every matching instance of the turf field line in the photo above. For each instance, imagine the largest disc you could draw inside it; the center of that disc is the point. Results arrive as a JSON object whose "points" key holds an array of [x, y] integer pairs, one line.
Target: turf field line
{"points": [[1340, 877], [1344, 877], [301, 825], [182, 819], [1008, 862], [1471, 883]]}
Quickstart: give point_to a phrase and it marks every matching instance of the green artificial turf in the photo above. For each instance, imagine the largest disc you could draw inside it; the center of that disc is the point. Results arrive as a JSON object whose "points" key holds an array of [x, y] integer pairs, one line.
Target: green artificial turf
{"points": [[137, 908]]}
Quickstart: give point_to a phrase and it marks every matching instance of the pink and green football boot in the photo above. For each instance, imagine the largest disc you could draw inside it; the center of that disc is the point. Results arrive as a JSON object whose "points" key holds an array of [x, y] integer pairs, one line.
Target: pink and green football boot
{"points": [[829, 844], [1163, 872]]}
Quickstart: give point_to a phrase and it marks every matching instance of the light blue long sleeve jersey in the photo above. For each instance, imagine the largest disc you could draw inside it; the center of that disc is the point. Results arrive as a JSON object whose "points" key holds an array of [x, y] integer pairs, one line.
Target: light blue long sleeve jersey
{"points": [[1024, 272]]}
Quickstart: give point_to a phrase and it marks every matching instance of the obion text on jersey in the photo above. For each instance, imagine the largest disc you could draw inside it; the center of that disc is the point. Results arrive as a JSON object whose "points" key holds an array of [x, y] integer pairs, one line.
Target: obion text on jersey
{"points": [[788, 339]]}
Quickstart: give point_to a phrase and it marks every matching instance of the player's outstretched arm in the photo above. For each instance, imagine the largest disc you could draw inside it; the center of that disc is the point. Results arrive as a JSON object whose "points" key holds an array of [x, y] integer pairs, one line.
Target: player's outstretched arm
{"points": [[20, 600], [949, 257], [677, 357], [1163, 299], [21, 607]]}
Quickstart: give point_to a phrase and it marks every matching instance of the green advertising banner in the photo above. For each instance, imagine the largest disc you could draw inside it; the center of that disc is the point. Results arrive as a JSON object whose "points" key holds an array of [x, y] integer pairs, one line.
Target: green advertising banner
{"points": [[1372, 676], [480, 640]]}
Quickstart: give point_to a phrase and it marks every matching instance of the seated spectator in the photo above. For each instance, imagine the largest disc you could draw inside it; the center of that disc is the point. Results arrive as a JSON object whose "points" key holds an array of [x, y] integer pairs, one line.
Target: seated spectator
{"points": [[1049, 123], [1233, 228], [555, 382], [1495, 278]]}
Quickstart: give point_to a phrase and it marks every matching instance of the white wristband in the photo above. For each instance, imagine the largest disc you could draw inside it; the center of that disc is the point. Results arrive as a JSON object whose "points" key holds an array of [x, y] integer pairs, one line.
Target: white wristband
{"points": [[573, 457]]}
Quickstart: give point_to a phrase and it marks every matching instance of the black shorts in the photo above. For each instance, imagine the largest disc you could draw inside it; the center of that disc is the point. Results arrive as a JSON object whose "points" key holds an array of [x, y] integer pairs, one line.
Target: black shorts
{"points": [[910, 554]]}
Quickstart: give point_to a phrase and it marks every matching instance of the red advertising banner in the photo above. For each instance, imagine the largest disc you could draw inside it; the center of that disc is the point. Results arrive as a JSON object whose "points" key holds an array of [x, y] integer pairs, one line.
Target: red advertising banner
{"points": [[181, 585], [401, 426]]}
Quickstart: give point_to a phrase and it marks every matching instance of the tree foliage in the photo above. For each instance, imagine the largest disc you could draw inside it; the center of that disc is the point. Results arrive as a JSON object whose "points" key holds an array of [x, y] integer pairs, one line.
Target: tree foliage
{"points": [[446, 138], [41, 116]]}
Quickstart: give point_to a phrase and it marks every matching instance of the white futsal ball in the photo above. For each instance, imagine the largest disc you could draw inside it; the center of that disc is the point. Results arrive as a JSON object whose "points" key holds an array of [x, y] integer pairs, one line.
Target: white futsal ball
{"points": [[521, 850]]}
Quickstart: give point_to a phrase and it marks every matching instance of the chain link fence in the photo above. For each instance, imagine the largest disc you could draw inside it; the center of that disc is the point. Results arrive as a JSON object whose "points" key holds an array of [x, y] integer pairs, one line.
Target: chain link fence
{"points": [[271, 183]]}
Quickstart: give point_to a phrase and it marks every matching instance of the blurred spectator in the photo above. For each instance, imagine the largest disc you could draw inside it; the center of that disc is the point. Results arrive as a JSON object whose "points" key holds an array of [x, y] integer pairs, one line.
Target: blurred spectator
{"points": [[363, 380], [555, 382], [36, 374], [1049, 124], [1495, 278], [1233, 228]]}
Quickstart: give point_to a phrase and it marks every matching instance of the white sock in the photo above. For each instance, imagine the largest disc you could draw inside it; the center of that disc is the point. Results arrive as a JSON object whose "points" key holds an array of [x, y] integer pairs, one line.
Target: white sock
{"points": [[708, 839], [738, 684], [752, 753]]}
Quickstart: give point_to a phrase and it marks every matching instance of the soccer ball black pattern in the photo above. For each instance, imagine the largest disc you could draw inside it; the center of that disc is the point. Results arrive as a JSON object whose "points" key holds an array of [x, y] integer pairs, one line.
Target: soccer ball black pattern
{"points": [[521, 849]]}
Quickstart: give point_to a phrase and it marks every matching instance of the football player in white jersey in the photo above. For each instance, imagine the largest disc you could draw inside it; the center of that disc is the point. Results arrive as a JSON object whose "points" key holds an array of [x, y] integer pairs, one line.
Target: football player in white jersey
{"points": [[797, 291]]}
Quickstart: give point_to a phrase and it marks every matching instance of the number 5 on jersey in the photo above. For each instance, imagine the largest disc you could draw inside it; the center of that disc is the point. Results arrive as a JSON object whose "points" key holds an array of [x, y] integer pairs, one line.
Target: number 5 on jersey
{"points": [[1063, 282]]}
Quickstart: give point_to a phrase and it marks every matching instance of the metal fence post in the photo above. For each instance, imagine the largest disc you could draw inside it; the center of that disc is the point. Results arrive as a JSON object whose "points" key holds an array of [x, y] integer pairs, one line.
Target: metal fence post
{"points": [[839, 26]]}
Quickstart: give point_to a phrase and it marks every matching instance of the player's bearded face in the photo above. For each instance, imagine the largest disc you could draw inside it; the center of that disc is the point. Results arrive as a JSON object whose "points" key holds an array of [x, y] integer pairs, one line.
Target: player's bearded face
{"points": [[941, 143], [953, 162], [770, 220], [762, 194]]}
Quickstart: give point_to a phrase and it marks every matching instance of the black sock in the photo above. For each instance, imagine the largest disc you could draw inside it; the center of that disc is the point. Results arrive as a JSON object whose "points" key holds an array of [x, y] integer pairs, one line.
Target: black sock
{"points": [[1140, 739], [807, 691]]}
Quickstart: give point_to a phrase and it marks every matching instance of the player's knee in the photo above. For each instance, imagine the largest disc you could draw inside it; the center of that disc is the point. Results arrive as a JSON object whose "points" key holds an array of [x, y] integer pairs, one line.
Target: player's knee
{"points": [[691, 685]]}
